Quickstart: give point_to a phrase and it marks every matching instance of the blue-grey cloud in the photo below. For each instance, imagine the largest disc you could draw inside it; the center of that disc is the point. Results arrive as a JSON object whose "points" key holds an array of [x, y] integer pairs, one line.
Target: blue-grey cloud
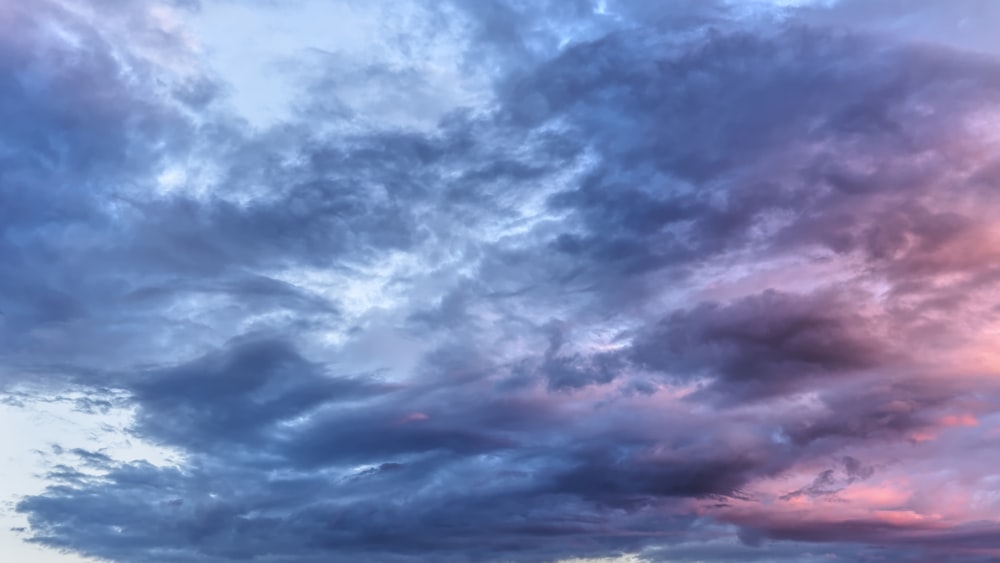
{"points": [[680, 255]]}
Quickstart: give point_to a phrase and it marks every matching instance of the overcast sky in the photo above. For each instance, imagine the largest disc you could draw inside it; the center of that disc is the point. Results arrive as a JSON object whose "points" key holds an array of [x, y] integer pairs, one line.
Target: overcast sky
{"points": [[511, 281]]}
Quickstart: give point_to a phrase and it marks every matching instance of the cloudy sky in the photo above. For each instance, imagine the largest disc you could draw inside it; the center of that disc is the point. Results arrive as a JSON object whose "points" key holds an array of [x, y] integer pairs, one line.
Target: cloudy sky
{"points": [[511, 281]]}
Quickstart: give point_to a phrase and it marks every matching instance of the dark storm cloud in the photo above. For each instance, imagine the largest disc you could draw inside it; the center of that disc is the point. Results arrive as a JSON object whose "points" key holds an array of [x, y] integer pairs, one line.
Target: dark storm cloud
{"points": [[762, 345], [746, 141], [237, 396]]}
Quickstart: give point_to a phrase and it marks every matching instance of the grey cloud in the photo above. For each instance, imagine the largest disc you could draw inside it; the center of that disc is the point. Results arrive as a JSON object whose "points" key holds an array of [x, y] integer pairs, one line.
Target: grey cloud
{"points": [[237, 397], [649, 152], [764, 344]]}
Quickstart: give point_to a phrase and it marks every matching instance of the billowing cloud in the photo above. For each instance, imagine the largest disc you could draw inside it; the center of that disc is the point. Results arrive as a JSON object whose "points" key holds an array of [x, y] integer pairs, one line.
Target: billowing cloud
{"points": [[707, 281]]}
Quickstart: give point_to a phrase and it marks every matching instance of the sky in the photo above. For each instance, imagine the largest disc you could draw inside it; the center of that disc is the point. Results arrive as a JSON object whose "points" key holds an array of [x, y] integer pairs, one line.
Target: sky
{"points": [[505, 281]]}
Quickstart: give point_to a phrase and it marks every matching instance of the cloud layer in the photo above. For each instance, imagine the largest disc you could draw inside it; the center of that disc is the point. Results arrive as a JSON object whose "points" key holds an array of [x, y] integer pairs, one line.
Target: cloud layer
{"points": [[708, 281]]}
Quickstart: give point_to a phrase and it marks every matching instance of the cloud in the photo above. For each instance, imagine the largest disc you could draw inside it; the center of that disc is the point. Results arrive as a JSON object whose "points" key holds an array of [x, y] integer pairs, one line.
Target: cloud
{"points": [[764, 344], [688, 284]]}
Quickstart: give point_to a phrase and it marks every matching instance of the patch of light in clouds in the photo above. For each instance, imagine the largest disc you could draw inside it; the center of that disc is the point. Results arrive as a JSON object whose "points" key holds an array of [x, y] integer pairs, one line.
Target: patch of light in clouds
{"points": [[264, 77], [36, 432]]}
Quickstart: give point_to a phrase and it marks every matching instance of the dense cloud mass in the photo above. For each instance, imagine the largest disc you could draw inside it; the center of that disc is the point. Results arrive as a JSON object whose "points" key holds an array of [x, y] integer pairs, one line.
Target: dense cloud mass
{"points": [[506, 281]]}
